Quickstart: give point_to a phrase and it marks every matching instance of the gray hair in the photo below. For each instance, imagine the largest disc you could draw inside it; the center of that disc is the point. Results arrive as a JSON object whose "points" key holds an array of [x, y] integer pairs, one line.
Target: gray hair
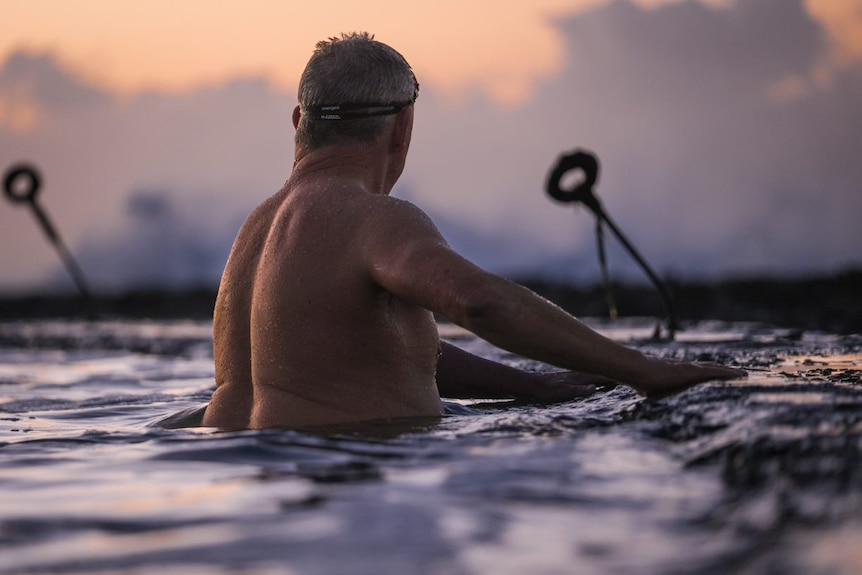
{"points": [[351, 69]]}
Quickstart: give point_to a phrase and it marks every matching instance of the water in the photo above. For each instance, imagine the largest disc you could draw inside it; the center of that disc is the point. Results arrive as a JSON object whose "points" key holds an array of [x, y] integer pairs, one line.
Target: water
{"points": [[763, 476]]}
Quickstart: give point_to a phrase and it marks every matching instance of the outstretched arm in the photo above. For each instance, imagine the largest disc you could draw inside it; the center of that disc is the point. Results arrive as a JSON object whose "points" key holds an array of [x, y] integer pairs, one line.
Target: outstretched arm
{"points": [[514, 318], [461, 374], [410, 259]]}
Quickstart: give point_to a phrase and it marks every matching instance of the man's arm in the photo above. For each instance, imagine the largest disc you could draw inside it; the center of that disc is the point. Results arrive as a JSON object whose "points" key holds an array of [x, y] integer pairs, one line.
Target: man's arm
{"points": [[409, 258], [460, 374]]}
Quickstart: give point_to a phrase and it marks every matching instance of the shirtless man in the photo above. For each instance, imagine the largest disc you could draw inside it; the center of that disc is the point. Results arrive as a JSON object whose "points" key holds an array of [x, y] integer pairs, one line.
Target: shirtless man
{"points": [[324, 312]]}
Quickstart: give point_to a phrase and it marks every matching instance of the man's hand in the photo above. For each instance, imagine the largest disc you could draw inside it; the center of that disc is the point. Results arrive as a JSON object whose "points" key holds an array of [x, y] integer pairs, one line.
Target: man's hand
{"points": [[669, 377], [666, 378]]}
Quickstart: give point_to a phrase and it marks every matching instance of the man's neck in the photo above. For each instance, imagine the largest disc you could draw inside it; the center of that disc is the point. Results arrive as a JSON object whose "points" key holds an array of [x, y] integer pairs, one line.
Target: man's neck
{"points": [[364, 164]]}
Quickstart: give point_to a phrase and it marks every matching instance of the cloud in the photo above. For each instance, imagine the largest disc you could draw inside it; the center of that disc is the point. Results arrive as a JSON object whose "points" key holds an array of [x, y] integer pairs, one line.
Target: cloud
{"points": [[219, 150], [167, 240], [31, 86], [705, 169], [719, 156]]}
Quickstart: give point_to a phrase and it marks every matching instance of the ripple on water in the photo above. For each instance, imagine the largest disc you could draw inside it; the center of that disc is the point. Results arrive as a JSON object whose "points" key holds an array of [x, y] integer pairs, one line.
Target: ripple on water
{"points": [[762, 474]]}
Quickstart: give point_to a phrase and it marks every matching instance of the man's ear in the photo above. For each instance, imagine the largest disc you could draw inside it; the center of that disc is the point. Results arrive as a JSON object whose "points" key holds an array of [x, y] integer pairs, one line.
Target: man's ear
{"points": [[297, 114]]}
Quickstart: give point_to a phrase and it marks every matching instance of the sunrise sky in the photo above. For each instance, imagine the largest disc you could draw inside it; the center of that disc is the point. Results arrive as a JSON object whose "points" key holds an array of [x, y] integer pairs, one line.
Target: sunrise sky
{"points": [[728, 130]]}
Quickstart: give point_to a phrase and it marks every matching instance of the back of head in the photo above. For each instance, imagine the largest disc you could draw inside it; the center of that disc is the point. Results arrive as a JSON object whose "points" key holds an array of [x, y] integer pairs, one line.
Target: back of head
{"points": [[349, 90]]}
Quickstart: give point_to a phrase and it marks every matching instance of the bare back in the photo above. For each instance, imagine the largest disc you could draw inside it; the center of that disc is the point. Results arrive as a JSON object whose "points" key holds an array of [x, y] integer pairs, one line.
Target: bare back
{"points": [[303, 336]]}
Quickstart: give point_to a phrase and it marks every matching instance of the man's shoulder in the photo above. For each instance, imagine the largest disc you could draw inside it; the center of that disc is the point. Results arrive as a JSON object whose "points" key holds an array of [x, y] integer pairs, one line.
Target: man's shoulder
{"points": [[398, 226], [396, 211]]}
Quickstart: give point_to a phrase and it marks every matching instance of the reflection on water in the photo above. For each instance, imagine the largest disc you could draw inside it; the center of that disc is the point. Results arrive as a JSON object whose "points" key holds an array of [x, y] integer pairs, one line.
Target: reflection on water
{"points": [[757, 476]]}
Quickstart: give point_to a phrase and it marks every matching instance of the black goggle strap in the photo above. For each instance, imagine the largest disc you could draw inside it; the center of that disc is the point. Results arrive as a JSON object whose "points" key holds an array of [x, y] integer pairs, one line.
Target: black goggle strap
{"points": [[342, 112]]}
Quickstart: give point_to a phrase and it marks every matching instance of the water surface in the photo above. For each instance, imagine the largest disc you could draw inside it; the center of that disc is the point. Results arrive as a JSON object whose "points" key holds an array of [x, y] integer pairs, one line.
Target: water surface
{"points": [[760, 476]]}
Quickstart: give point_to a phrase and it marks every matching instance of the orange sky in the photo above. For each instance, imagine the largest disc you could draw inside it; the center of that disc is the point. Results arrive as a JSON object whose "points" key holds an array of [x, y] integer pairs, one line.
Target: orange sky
{"points": [[500, 47]]}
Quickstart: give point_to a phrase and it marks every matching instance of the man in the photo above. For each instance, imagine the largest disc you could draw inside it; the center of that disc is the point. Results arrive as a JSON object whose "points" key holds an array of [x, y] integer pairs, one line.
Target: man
{"points": [[324, 312]]}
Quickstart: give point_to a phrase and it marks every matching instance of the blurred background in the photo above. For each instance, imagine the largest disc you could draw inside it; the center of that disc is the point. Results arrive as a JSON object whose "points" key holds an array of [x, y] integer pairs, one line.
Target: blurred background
{"points": [[728, 131]]}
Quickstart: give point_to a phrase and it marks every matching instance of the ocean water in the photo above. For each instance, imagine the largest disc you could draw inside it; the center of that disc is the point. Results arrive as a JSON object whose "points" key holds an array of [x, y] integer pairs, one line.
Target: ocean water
{"points": [[755, 476]]}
